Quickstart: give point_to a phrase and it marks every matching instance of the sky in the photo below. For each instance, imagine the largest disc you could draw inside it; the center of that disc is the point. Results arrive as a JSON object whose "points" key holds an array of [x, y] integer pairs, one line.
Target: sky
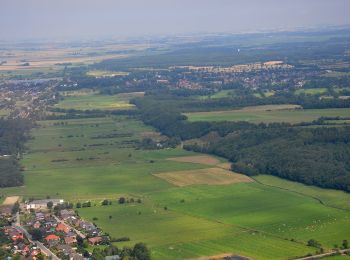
{"points": [[82, 19]]}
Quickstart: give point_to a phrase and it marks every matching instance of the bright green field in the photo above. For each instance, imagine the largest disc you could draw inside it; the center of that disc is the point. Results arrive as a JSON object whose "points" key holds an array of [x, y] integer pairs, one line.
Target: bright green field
{"points": [[96, 101], [245, 219], [290, 116]]}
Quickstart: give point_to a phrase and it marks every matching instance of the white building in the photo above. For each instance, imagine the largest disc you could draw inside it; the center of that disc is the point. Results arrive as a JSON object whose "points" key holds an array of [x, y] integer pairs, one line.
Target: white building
{"points": [[42, 204]]}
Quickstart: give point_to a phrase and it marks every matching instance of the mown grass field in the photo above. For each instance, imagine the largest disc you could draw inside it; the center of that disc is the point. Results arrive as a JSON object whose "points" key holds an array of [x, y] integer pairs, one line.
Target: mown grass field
{"points": [[95, 101], [94, 159], [268, 116]]}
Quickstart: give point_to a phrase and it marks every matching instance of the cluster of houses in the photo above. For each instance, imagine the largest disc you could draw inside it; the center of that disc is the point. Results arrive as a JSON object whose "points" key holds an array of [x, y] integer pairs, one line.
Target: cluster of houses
{"points": [[61, 234], [19, 244]]}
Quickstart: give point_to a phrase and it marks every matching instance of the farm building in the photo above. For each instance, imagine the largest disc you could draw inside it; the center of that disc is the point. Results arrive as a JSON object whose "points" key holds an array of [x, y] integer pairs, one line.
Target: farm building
{"points": [[42, 204]]}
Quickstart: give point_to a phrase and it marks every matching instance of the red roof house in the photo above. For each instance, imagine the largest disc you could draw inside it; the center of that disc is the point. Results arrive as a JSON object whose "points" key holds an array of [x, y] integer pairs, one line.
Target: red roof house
{"points": [[62, 228], [52, 237]]}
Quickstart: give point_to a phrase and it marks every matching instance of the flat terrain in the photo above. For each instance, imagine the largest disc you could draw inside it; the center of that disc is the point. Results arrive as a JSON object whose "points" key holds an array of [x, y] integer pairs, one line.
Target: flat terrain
{"points": [[95, 101], [202, 159], [211, 176], [185, 210], [10, 200], [272, 114]]}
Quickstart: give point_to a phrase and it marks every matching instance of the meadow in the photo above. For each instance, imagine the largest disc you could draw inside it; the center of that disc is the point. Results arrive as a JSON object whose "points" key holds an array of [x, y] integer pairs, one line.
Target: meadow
{"points": [[93, 100], [271, 115], [205, 212]]}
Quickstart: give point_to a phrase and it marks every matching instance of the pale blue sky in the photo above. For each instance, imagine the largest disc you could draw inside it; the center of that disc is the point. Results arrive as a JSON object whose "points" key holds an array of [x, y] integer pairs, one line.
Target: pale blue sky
{"points": [[52, 19]]}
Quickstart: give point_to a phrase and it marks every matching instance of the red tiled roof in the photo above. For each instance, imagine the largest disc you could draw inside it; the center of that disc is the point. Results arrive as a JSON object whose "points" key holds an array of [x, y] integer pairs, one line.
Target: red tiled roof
{"points": [[62, 227], [52, 237]]}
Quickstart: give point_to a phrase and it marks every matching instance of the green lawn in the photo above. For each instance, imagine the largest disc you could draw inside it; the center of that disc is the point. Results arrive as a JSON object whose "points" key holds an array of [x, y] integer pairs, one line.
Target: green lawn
{"points": [[290, 116]]}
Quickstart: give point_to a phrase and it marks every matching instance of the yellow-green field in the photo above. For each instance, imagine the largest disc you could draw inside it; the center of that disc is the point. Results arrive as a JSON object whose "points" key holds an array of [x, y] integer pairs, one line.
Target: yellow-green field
{"points": [[106, 73], [90, 101]]}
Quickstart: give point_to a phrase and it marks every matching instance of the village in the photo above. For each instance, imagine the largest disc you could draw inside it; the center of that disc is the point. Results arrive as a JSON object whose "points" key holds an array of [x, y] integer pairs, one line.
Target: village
{"points": [[47, 229]]}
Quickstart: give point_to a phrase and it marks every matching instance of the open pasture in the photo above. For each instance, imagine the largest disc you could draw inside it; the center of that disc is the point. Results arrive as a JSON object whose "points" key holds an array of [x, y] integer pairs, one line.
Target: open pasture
{"points": [[105, 73], [267, 210], [201, 159], [96, 101], [269, 115], [93, 159], [211, 176]]}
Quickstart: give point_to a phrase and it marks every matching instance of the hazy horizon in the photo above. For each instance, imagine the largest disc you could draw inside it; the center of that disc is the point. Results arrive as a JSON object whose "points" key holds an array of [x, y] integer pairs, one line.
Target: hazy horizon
{"points": [[81, 19]]}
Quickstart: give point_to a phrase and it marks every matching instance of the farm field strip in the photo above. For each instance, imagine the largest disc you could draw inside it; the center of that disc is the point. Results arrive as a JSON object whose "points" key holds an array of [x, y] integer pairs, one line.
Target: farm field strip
{"points": [[289, 116], [95, 101]]}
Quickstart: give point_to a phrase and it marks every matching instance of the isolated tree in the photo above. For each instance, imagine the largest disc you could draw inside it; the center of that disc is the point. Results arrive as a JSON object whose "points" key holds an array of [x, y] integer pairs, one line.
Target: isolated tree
{"points": [[36, 234], [141, 252], [313, 243], [345, 244], [121, 200], [78, 205], [49, 205]]}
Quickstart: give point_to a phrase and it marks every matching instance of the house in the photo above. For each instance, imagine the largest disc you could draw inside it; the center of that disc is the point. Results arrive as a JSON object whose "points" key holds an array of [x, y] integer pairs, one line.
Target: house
{"points": [[95, 240], [13, 233], [39, 216], [87, 226], [42, 204], [65, 214], [37, 224], [62, 228], [21, 248], [52, 240], [70, 240], [35, 252]]}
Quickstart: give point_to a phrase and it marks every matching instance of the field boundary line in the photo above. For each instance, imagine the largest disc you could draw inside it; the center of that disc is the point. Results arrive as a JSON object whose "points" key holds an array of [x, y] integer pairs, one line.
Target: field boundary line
{"points": [[302, 194]]}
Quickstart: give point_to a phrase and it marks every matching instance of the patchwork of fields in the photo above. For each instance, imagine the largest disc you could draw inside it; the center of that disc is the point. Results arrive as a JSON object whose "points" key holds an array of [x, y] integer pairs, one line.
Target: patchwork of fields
{"points": [[190, 205]]}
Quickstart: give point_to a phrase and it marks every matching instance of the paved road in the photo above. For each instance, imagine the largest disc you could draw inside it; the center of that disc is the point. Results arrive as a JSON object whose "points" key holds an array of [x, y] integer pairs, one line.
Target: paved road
{"points": [[75, 230], [40, 245], [324, 254]]}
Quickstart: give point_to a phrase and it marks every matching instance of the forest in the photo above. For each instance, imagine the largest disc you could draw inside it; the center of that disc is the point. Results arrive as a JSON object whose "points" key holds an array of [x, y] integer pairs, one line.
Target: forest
{"points": [[13, 135], [315, 156]]}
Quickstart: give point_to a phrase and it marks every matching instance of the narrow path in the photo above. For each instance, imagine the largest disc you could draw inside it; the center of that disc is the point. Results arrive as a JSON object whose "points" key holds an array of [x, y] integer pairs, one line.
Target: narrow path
{"points": [[344, 251], [302, 194]]}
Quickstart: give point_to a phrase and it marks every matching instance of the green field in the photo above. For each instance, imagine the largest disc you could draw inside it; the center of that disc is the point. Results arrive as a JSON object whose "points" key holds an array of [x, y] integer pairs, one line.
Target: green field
{"points": [[221, 94], [96, 101], [268, 116], [93, 159], [311, 91]]}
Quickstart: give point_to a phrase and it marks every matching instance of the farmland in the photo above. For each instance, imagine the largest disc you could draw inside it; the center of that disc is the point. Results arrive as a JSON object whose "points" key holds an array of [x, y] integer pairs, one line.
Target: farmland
{"points": [[93, 159], [146, 159], [95, 101], [268, 115]]}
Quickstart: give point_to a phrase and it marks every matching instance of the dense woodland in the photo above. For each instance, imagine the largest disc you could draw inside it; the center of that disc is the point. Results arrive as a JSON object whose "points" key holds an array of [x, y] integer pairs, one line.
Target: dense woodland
{"points": [[13, 135], [314, 156]]}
